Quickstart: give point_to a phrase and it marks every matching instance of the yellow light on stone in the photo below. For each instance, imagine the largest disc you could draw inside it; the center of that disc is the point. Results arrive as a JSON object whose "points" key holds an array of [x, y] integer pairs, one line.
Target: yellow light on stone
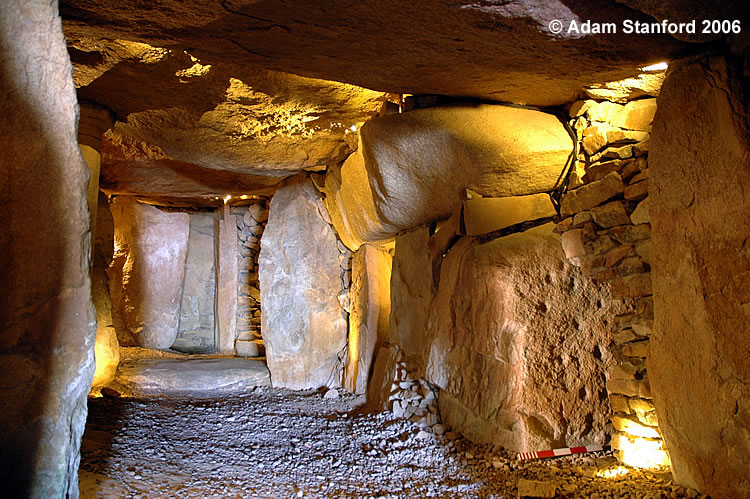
{"points": [[659, 66], [244, 196], [227, 198], [613, 472], [642, 453]]}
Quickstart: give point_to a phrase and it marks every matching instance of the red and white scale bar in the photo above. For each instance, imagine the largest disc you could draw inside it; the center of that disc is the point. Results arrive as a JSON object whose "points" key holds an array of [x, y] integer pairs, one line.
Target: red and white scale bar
{"points": [[565, 451]]}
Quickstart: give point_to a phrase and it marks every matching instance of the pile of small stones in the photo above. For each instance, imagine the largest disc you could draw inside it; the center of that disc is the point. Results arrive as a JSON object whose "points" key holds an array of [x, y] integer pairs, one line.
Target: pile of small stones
{"points": [[278, 443], [413, 399]]}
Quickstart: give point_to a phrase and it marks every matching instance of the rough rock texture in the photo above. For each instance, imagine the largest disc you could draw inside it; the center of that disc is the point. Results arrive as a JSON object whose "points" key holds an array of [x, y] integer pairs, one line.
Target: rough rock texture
{"points": [[196, 332], [698, 364], [493, 50], [303, 326], [370, 295], [147, 271], [217, 115], [412, 168], [107, 348], [47, 319], [520, 344], [412, 289]]}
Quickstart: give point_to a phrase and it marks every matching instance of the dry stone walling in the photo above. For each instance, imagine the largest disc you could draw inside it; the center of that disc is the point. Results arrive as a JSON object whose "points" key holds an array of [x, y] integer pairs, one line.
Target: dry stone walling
{"points": [[251, 221], [607, 233]]}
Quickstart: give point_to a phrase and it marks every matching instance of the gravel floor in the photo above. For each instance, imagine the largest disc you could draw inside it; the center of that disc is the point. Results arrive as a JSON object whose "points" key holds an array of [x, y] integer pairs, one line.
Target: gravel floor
{"points": [[278, 443]]}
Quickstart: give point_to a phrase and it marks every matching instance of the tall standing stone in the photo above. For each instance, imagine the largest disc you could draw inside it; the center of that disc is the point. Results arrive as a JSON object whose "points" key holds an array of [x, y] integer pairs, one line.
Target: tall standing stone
{"points": [[47, 321], [148, 271], [226, 281], [304, 328], [370, 294], [412, 290], [700, 214]]}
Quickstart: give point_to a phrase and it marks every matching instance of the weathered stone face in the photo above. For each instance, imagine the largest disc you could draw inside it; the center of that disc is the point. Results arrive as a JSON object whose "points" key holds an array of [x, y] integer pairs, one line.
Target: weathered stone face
{"points": [[520, 344], [700, 375], [303, 326], [412, 168], [107, 348], [147, 271], [46, 314], [196, 331], [412, 290]]}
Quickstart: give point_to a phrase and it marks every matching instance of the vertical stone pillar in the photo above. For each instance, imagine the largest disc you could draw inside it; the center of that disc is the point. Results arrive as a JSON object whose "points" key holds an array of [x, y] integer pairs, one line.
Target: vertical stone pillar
{"points": [[370, 310], [93, 121], [47, 322], [227, 268]]}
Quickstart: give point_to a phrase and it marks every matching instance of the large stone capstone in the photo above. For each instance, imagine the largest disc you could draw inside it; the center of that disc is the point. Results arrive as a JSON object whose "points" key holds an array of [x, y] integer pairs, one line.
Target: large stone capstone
{"points": [[147, 272], [413, 168], [504, 51], [518, 340], [700, 215], [303, 326], [46, 314]]}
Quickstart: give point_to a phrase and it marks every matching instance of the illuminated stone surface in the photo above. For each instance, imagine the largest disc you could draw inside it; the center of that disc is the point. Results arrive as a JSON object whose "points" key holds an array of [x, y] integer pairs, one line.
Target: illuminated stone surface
{"points": [[222, 116], [520, 344], [303, 326], [107, 348], [194, 376], [147, 272], [370, 294], [503, 52], [698, 365], [412, 168]]}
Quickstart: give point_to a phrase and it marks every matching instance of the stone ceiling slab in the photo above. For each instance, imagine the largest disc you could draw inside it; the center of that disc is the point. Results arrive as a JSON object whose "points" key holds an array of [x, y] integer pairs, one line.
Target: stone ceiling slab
{"points": [[221, 116], [502, 51]]}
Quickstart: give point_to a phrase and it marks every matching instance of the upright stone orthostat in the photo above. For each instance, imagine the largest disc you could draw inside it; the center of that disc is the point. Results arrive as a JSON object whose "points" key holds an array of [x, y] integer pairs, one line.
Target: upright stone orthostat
{"points": [[519, 344], [700, 214], [303, 326], [148, 271], [370, 294], [47, 321]]}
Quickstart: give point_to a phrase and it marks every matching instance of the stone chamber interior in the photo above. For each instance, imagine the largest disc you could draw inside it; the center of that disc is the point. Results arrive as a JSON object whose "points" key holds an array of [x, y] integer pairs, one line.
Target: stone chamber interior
{"points": [[276, 249]]}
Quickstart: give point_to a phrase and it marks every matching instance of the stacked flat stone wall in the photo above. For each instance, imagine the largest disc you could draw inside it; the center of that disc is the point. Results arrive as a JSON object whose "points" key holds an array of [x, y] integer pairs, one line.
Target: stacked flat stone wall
{"points": [[251, 221], [606, 231]]}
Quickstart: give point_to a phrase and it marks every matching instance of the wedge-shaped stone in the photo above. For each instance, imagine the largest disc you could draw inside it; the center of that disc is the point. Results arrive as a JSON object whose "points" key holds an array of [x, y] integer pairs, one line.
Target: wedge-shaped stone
{"points": [[485, 215], [590, 195]]}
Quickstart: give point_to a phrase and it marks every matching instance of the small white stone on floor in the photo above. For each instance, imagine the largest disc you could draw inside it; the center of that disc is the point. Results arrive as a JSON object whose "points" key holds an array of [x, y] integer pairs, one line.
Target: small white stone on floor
{"points": [[331, 394]]}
